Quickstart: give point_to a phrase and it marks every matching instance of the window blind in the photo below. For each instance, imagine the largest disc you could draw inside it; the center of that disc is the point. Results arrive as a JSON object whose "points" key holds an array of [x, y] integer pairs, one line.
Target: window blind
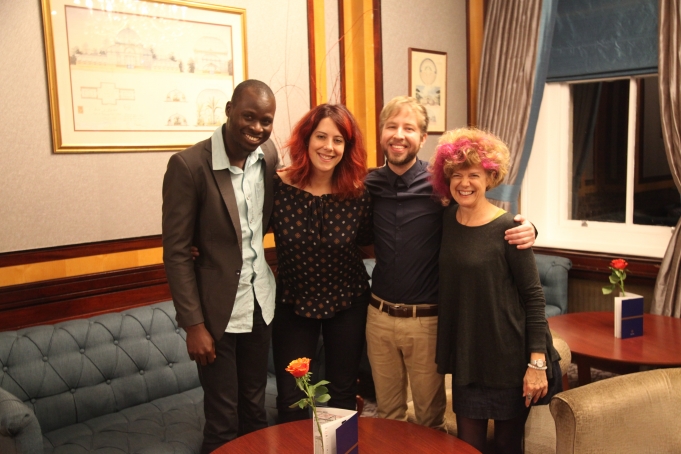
{"points": [[604, 38]]}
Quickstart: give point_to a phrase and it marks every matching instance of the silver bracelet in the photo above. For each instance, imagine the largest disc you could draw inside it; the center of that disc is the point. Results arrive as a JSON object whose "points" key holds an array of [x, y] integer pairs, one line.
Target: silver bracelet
{"points": [[532, 366]]}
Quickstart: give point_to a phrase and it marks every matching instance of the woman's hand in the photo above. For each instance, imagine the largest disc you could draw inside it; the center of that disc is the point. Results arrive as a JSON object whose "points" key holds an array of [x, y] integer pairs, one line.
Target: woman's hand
{"points": [[195, 252], [535, 385]]}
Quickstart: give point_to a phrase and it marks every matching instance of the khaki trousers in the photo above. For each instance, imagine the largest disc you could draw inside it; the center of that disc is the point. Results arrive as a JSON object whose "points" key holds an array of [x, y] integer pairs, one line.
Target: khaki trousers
{"points": [[401, 351]]}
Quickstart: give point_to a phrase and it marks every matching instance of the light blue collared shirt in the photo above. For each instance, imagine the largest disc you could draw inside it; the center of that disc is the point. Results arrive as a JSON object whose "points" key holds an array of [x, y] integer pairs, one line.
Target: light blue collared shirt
{"points": [[256, 275]]}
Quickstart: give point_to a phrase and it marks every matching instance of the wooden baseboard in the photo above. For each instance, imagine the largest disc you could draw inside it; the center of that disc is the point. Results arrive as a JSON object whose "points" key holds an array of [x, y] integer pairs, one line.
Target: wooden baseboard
{"points": [[83, 296]]}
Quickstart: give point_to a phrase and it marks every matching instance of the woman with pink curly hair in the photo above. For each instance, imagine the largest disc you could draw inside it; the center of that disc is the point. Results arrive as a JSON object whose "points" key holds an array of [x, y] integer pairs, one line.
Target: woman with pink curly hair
{"points": [[492, 331]]}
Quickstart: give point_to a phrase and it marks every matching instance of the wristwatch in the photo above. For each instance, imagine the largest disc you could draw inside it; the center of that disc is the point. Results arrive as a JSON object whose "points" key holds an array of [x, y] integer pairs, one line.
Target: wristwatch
{"points": [[539, 363]]}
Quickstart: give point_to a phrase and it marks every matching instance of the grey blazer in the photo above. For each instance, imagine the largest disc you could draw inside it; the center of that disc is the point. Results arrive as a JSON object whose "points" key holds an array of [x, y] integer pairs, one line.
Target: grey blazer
{"points": [[199, 209]]}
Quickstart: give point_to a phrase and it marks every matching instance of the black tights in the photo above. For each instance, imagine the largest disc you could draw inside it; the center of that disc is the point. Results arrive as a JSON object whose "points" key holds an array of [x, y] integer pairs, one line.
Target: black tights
{"points": [[508, 434]]}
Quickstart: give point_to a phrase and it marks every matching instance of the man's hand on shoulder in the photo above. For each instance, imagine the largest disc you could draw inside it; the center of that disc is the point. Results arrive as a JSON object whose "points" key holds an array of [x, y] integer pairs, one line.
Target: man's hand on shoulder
{"points": [[523, 235], [200, 344]]}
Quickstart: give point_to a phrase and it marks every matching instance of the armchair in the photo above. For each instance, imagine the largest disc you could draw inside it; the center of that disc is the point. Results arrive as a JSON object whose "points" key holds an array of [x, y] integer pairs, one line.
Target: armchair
{"points": [[630, 413], [553, 274]]}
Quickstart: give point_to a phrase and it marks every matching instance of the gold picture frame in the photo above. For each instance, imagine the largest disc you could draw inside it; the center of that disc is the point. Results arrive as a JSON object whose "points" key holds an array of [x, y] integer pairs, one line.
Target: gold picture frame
{"points": [[148, 75], [428, 84]]}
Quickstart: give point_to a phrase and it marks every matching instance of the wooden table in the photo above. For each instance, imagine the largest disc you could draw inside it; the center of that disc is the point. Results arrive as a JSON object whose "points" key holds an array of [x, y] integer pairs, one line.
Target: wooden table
{"points": [[376, 435], [592, 341]]}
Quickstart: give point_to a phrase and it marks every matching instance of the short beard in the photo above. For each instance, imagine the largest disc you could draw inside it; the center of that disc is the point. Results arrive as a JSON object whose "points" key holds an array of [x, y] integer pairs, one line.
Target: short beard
{"points": [[399, 162]]}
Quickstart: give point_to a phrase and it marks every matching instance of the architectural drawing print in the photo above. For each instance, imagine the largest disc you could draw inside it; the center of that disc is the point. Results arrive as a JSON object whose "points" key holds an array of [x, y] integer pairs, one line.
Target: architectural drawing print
{"points": [[139, 75], [210, 107], [212, 56], [142, 59], [107, 93], [177, 120], [176, 96]]}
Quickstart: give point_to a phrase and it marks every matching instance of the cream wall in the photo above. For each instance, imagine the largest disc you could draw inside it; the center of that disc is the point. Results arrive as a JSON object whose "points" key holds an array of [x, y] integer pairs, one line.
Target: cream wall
{"points": [[52, 200], [433, 25]]}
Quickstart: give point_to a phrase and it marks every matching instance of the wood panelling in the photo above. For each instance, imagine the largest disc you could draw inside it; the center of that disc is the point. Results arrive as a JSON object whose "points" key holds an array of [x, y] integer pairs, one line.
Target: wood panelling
{"points": [[475, 18], [79, 287], [596, 266], [83, 296], [76, 260], [589, 274], [361, 79], [317, 81], [78, 250], [82, 307], [585, 295], [379, 159], [95, 293], [77, 266]]}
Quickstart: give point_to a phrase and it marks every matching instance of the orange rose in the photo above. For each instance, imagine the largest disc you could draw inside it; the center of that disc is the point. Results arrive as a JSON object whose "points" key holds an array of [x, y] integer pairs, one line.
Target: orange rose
{"points": [[619, 264], [299, 367]]}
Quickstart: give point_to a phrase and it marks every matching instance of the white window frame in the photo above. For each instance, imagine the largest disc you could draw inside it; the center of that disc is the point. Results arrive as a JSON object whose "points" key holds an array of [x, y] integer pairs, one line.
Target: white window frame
{"points": [[547, 183]]}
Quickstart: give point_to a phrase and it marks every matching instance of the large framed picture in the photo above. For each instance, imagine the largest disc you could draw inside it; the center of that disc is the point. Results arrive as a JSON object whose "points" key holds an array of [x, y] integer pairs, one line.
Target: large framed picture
{"points": [[140, 75], [428, 84]]}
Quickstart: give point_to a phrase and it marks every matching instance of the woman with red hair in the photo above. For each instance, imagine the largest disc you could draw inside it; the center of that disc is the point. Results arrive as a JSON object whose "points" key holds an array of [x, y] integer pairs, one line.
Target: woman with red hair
{"points": [[322, 213]]}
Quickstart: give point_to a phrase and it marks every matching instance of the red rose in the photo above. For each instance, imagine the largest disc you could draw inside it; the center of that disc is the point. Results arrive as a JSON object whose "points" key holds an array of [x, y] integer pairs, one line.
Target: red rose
{"points": [[299, 367], [619, 264]]}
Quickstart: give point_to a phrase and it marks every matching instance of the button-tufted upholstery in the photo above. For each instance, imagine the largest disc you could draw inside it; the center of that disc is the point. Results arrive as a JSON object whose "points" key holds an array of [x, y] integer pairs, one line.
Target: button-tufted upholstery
{"points": [[119, 382], [553, 274]]}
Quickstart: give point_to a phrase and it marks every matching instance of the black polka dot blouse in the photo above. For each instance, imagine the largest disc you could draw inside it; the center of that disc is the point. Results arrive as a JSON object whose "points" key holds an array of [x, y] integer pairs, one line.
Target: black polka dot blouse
{"points": [[320, 267]]}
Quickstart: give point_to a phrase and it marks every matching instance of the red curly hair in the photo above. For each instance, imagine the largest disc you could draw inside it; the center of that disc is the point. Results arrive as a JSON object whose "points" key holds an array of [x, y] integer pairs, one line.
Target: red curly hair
{"points": [[348, 176]]}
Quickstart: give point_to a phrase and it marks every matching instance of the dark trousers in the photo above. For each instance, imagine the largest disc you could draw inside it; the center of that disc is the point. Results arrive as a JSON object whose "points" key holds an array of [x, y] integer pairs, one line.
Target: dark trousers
{"points": [[234, 385], [295, 337]]}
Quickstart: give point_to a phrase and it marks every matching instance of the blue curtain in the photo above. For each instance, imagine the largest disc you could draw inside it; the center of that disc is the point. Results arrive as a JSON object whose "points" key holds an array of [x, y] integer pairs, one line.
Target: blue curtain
{"points": [[604, 38]]}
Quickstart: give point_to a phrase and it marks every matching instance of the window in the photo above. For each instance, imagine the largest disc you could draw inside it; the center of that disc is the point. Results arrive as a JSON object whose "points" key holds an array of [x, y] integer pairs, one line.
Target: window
{"points": [[598, 178], [601, 148]]}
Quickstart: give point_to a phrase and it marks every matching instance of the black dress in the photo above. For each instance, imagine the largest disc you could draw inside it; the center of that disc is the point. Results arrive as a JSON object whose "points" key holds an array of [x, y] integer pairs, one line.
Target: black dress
{"points": [[491, 317]]}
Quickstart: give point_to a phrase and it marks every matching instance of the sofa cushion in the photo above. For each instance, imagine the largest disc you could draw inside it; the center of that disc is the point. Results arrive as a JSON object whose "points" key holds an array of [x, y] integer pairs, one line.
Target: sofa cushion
{"points": [[171, 424]]}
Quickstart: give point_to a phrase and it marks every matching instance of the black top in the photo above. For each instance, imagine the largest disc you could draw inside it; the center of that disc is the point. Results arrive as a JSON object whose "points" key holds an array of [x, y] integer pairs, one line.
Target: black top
{"points": [[407, 232], [491, 314], [320, 268]]}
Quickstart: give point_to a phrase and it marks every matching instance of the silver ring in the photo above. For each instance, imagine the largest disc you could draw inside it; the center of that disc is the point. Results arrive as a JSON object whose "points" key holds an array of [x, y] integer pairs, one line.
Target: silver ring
{"points": [[529, 396]]}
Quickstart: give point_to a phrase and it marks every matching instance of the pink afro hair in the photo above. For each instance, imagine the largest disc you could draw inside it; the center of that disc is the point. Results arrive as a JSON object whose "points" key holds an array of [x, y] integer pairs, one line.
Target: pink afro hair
{"points": [[463, 148]]}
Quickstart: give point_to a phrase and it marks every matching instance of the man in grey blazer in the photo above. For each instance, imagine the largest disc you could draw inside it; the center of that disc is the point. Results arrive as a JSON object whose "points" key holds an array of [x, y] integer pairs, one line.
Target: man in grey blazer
{"points": [[218, 196]]}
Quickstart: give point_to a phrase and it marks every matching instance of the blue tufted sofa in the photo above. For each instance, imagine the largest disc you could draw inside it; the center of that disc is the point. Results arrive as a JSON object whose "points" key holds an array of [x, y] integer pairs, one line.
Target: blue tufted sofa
{"points": [[119, 382]]}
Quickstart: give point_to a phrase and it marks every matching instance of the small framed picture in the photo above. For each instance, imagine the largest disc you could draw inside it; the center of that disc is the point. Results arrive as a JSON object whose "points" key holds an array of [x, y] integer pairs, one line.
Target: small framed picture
{"points": [[428, 84]]}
